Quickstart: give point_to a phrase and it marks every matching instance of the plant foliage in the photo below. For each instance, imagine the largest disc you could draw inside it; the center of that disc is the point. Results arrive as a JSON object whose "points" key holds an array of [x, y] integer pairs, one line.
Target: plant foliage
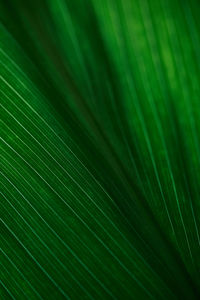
{"points": [[99, 149]]}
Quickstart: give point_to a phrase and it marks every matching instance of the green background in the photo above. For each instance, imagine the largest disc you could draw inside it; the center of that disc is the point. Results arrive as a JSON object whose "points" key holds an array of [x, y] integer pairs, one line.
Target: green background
{"points": [[99, 149]]}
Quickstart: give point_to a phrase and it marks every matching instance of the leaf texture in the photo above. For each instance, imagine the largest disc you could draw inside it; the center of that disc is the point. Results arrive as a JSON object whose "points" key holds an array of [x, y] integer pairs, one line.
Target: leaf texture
{"points": [[99, 149]]}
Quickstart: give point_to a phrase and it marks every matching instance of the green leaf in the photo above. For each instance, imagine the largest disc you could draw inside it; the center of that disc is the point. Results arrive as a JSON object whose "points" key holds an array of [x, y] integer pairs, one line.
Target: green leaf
{"points": [[99, 149]]}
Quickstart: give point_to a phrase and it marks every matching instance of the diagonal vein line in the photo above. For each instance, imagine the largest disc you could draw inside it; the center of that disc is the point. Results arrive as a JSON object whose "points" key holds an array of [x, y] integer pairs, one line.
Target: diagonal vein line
{"points": [[116, 228], [57, 216], [82, 221], [4, 270], [17, 269], [43, 243], [35, 260], [7, 290]]}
